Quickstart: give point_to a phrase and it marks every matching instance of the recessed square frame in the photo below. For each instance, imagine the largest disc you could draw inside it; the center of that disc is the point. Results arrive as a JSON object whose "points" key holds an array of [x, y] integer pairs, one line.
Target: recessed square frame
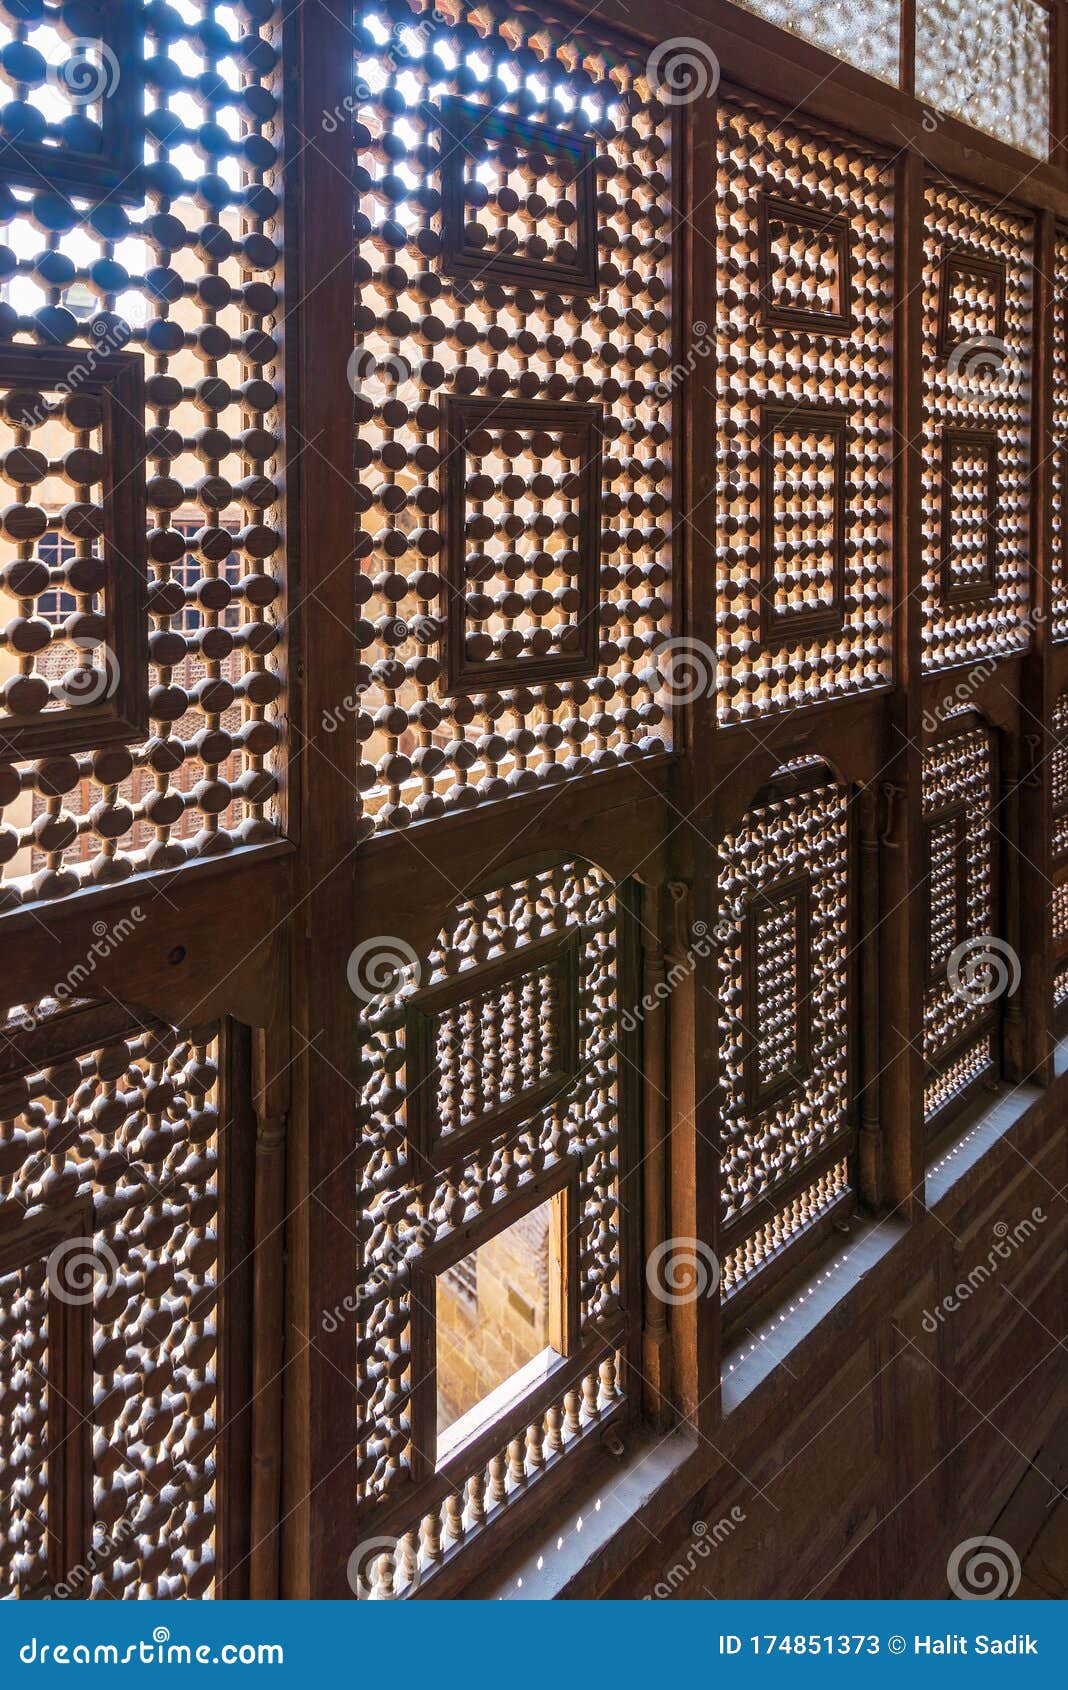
{"points": [[561, 1186], [984, 441], [460, 121], [796, 891], [958, 262], [461, 418], [558, 954], [779, 207], [116, 170], [117, 379], [785, 627]]}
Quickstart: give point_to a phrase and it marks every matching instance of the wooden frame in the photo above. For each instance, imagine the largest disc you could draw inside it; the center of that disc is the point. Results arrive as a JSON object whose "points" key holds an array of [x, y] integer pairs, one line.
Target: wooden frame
{"points": [[779, 208], [557, 957], [117, 379], [114, 171], [983, 442], [462, 419], [462, 123], [784, 626], [958, 264]]}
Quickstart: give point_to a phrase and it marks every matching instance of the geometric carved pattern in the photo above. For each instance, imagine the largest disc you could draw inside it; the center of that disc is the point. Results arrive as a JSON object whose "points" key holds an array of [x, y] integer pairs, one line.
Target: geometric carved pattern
{"points": [[432, 334], [806, 267], [969, 513], [804, 435], [187, 280], [784, 993], [529, 190], [77, 425], [960, 905], [802, 521], [522, 483], [1058, 461], [73, 117], [1058, 767], [504, 1064], [109, 1198], [976, 420], [972, 301]]}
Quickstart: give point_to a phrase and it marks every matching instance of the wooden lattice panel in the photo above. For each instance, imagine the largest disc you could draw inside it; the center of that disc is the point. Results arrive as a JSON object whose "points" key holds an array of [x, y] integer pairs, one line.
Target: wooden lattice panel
{"points": [[25, 1444], [804, 437], [498, 1136], [70, 112], [514, 591], [988, 62], [976, 420], [185, 281], [1058, 460], [769, 1240], [959, 893], [108, 1176], [1058, 774], [783, 994]]}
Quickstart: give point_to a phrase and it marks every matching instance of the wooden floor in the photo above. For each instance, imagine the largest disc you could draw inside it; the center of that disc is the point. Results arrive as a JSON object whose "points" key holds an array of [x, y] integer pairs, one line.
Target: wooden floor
{"points": [[1045, 1567]]}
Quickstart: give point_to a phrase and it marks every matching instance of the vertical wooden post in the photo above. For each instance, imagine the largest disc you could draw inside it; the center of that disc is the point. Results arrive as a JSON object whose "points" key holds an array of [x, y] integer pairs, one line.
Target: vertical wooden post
{"points": [[319, 1481], [901, 940]]}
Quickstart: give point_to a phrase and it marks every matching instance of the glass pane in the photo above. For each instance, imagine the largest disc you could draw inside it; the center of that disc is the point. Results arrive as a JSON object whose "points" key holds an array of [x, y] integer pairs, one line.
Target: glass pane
{"points": [[987, 61], [494, 1327], [865, 33]]}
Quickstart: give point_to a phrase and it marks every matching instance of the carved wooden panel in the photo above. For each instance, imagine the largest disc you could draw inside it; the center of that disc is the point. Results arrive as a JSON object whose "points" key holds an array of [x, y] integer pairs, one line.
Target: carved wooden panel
{"points": [[1058, 457], [185, 281], [964, 950], [1058, 769], [531, 324], [71, 114], [803, 342], [784, 985], [501, 1057], [109, 1175], [522, 510], [534, 186], [76, 466], [976, 422]]}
